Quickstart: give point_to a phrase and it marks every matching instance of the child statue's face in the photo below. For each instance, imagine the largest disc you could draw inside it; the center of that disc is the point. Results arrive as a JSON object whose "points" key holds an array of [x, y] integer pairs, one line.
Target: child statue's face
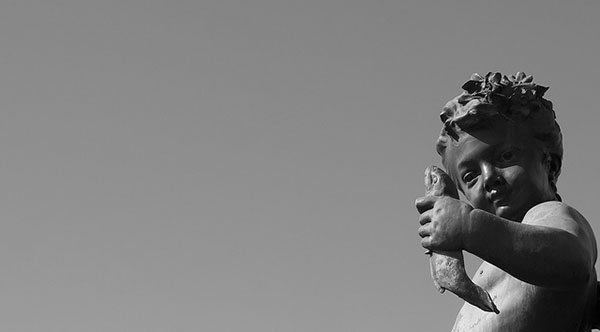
{"points": [[500, 169]]}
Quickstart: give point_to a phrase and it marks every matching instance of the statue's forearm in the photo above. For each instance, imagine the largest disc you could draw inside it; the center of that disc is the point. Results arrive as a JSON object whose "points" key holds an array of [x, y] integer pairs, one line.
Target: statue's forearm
{"points": [[543, 256]]}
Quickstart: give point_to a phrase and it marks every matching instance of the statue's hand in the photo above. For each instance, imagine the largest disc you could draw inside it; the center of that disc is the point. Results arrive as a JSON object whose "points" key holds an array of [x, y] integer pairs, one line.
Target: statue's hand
{"points": [[444, 222]]}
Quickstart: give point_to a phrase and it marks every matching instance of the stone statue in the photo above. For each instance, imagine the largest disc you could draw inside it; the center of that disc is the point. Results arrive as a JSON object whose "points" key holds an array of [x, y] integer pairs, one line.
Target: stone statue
{"points": [[502, 148]]}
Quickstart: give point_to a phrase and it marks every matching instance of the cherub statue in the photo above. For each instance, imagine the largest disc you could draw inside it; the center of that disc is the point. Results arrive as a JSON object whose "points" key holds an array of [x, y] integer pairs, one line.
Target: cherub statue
{"points": [[502, 147]]}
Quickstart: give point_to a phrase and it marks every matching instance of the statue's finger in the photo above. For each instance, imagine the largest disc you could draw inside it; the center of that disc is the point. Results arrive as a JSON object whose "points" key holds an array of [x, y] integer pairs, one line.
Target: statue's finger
{"points": [[425, 217], [424, 230], [425, 203]]}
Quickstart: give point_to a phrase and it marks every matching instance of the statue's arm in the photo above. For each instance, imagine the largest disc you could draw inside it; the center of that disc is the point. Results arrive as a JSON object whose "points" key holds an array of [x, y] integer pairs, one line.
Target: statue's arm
{"points": [[553, 246]]}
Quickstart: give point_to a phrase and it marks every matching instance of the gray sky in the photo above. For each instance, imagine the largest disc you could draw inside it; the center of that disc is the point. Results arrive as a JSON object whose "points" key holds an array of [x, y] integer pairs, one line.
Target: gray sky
{"points": [[252, 165]]}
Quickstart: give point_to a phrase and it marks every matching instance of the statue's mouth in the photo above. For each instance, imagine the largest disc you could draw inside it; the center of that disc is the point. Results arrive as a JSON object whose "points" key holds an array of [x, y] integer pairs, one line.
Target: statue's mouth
{"points": [[497, 197]]}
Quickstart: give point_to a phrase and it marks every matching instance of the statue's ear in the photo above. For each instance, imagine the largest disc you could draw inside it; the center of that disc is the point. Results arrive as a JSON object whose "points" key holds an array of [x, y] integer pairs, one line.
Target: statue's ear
{"points": [[553, 165]]}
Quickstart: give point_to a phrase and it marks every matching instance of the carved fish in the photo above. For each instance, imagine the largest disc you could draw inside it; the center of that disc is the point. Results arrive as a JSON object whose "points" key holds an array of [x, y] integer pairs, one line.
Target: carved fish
{"points": [[448, 267]]}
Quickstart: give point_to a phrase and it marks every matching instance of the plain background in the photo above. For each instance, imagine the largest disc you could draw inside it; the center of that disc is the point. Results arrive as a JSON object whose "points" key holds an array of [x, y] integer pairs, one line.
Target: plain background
{"points": [[222, 165]]}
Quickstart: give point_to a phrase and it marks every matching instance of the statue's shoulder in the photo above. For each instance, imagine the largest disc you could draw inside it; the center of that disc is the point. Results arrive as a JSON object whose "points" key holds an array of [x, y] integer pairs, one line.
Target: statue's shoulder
{"points": [[563, 216], [554, 211]]}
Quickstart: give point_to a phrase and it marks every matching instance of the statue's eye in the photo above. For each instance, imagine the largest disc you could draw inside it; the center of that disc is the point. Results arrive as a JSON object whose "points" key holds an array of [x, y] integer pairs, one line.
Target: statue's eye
{"points": [[469, 177], [507, 156]]}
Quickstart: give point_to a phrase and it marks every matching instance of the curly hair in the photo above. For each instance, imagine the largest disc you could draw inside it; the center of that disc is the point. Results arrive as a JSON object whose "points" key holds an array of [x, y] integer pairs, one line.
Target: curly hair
{"points": [[515, 98]]}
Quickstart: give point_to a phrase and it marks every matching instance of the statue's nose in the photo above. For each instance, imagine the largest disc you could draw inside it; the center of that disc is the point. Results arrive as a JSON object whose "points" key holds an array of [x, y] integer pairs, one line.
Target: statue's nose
{"points": [[492, 178]]}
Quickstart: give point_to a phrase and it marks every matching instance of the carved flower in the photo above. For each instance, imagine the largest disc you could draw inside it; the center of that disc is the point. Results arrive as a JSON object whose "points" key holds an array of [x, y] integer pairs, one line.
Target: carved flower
{"points": [[507, 96], [501, 84], [513, 93]]}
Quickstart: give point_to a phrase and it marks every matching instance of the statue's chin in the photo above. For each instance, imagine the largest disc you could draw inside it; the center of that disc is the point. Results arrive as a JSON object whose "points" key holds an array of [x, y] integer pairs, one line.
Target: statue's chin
{"points": [[507, 212]]}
